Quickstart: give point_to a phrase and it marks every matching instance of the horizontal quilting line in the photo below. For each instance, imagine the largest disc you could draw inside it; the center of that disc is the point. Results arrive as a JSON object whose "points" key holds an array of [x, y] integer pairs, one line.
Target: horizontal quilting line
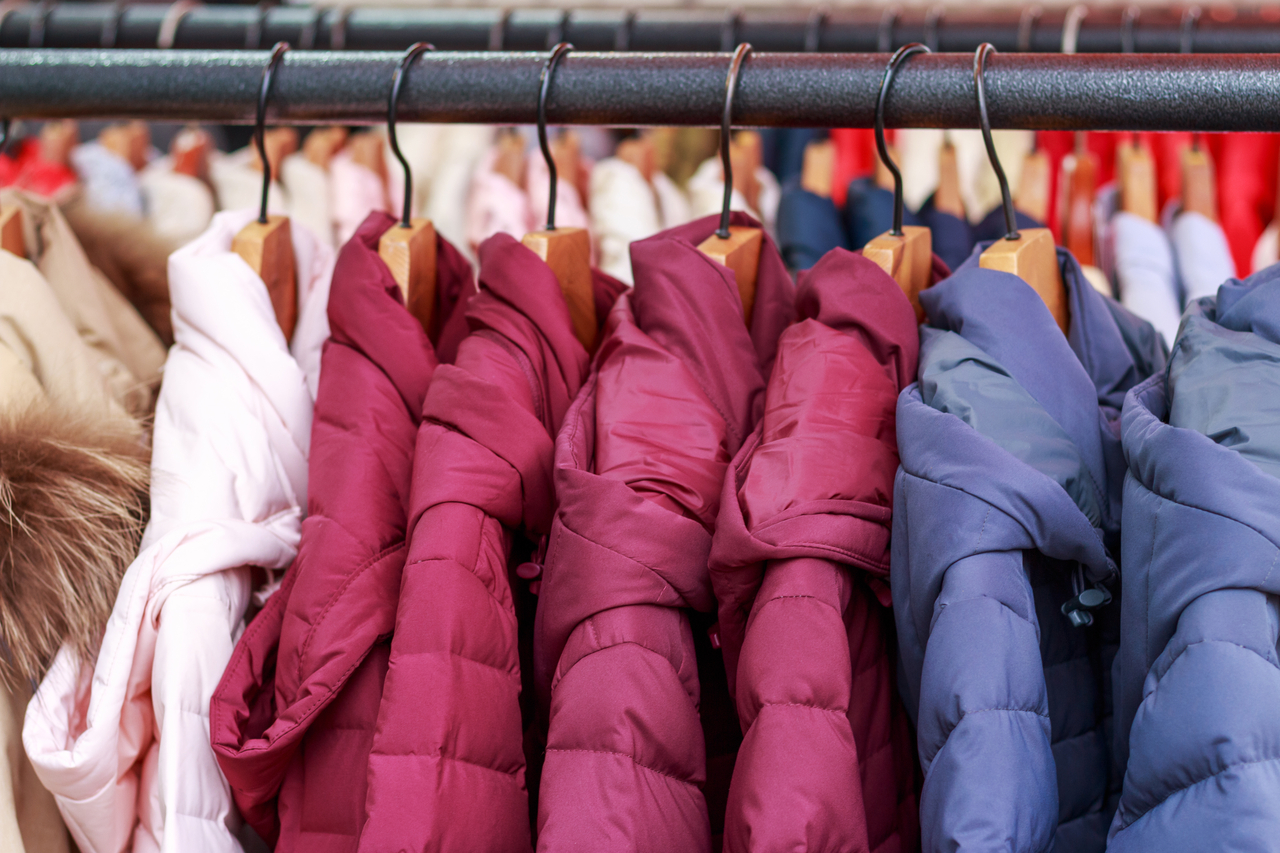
{"points": [[444, 756], [453, 654], [630, 758], [1187, 787]]}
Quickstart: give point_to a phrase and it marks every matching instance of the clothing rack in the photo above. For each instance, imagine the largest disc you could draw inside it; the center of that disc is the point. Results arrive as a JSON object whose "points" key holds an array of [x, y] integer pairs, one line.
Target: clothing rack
{"points": [[186, 24], [1034, 91]]}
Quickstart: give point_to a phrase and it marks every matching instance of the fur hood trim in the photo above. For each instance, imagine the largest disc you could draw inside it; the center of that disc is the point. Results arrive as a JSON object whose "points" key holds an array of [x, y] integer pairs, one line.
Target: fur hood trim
{"points": [[73, 503]]}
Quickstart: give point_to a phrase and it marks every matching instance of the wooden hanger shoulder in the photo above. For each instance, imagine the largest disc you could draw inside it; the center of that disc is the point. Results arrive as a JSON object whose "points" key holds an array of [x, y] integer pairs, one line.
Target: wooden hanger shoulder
{"points": [[1138, 182], [818, 172], [268, 250], [947, 198], [1034, 183], [1034, 259], [740, 252], [568, 252], [1198, 190], [410, 255], [12, 236], [907, 258]]}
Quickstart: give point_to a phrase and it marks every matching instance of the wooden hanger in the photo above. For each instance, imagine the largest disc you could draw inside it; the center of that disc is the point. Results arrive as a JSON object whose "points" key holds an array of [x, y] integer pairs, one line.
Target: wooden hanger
{"points": [[1029, 254], [1137, 181], [408, 248], [266, 244], [735, 246], [1080, 176], [1034, 186], [12, 234], [904, 252], [190, 152], [947, 197], [567, 251], [818, 173], [1198, 189], [322, 143]]}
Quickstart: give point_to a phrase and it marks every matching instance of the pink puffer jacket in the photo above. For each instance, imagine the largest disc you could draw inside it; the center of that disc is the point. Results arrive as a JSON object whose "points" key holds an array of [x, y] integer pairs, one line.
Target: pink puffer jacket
{"points": [[678, 385], [292, 720], [447, 767], [799, 565]]}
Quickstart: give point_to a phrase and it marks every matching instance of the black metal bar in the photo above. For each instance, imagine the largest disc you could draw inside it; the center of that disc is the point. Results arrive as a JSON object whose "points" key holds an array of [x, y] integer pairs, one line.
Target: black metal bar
{"points": [[73, 25], [1046, 91]]}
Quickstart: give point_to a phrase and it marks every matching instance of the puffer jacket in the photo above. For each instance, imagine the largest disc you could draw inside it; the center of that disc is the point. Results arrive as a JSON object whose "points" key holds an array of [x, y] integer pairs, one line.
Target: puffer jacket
{"points": [[799, 566], [123, 743], [73, 473], [677, 387], [452, 777], [1006, 507], [1198, 676], [293, 717]]}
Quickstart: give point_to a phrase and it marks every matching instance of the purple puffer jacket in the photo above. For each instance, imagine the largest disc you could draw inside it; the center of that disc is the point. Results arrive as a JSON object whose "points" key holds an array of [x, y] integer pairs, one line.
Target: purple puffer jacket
{"points": [[678, 385], [799, 565], [447, 768], [292, 720]]}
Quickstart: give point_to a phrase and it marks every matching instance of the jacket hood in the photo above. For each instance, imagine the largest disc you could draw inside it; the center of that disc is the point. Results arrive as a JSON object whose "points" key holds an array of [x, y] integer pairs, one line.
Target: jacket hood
{"points": [[857, 331], [998, 324], [701, 332]]}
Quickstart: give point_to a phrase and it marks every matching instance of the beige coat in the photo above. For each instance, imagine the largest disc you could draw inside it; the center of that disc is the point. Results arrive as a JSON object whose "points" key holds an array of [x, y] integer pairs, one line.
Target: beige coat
{"points": [[126, 352], [73, 472]]}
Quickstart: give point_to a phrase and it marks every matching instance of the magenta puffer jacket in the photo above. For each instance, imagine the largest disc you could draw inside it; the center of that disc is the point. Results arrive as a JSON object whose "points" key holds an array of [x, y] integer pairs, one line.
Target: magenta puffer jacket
{"points": [[447, 767], [799, 566], [292, 721], [677, 386]]}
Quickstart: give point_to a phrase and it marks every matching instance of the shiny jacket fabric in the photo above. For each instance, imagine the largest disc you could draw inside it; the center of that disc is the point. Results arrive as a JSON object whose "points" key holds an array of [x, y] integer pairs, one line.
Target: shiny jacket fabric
{"points": [[800, 563], [1006, 504], [447, 767], [1198, 677], [677, 387], [292, 720]]}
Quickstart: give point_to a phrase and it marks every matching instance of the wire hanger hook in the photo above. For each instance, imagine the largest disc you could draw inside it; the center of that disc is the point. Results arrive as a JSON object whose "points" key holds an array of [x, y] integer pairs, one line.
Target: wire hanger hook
{"points": [[979, 71], [548, 71], [900, 56], [259, 130], [726, 128], [393, 104]]}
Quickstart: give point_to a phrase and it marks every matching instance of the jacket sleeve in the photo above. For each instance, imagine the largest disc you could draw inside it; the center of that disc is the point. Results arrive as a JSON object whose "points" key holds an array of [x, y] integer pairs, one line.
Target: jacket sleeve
{"points": [[1205, 743], [983, 722]]}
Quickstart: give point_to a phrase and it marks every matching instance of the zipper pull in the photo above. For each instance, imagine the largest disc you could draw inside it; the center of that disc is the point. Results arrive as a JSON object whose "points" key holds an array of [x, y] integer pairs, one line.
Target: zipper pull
{"points": [[1079, 609]]}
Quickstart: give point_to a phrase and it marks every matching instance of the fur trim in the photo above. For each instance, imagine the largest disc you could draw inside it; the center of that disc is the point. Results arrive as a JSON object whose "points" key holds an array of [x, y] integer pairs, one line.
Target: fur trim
{"points": [[73, 503]]}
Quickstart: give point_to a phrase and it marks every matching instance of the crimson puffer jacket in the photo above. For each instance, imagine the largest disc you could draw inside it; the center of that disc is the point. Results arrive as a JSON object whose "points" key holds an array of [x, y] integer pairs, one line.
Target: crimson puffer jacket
{"points": [[800, 563], [447, 769], [677, 387], [292, 720]]}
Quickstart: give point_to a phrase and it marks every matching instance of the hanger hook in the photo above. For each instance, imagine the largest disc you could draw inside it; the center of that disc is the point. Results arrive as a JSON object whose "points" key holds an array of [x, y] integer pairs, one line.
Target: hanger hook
{"points": [[393, 103], [979, 71], [548, 70], [899, 56], [259, 130], [726, 128]]}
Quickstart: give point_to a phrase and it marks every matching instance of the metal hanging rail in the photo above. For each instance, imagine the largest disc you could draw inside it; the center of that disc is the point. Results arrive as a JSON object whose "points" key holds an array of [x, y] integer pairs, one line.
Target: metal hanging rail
{"points": [[1041, 91], [186, 24]]}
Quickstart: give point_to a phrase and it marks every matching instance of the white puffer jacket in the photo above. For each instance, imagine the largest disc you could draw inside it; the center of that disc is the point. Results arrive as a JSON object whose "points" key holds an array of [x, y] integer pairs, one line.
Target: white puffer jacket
{"points": [[124, 746]]}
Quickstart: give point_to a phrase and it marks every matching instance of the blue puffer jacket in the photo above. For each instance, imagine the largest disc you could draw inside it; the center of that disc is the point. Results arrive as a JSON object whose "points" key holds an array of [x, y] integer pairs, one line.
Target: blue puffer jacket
{"points": [[1006, 506], [1198, 677]]}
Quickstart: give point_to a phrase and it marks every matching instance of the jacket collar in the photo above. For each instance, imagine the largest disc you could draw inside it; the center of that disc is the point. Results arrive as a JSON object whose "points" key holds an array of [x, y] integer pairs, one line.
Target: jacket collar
{"points": [[690, 305]]}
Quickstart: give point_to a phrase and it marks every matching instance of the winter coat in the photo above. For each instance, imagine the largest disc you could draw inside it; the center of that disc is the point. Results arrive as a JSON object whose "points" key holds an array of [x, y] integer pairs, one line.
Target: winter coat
{"points": [[1198, 676], [292, 720], [678, 384], [128, 354], [123, 743], [1006, 506], [625, 207], [799, 566], [73, 474], [481, 477]]}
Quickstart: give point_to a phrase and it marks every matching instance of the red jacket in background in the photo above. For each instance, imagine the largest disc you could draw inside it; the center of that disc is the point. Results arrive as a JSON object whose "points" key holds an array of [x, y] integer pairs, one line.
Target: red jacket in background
{"points": [[292, 721], [677, 387], [447, 767], [799, 565]]}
